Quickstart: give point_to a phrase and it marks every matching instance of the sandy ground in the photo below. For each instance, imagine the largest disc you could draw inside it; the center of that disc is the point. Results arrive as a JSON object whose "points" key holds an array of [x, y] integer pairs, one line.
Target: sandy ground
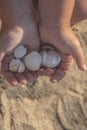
{"points": [[46, 106]]}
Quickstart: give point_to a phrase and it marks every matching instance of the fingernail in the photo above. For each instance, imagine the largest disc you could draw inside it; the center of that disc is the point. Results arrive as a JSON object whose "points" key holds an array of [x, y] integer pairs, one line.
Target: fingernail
{"points": [[53, 80], [14, 83], [85, 67], [24, 82]]}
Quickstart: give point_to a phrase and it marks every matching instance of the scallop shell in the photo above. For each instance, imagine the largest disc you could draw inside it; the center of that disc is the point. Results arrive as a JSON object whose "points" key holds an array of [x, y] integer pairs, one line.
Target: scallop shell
{"points": [[20, 51], [16, 65], [51, 59], [33, 61]]}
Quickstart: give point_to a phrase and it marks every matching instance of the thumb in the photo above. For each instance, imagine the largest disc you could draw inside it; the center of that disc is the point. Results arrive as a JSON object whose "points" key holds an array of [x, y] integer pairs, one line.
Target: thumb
{"points": [[78, 55]]}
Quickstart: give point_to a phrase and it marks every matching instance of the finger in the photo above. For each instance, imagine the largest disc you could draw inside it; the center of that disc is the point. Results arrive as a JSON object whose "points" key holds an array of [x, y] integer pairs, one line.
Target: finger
{"points": [[29, 76], [9, 76], [46, 71], [78, 55], [63, 68], [40, 72], [58, 75], [21, 78], [35, 75], [66, 65], [66, 58], [4, 64]]}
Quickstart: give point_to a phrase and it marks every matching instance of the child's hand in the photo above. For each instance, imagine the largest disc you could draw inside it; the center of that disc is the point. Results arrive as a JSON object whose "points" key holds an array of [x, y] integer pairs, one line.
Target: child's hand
{"points": [[54, 27], [69, 46], [18, 27], [58, 73], [8, 42]]}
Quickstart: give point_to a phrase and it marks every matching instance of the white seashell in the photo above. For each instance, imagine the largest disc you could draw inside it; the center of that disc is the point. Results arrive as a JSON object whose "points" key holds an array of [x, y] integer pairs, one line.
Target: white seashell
{"points": [[33, 61], [17, 65], [44, 57], [20, 51], [21, 67], [50, 59], [14, 65]]}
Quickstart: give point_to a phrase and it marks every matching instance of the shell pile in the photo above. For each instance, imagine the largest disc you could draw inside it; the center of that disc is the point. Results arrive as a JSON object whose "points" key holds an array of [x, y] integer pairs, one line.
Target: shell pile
{"points": [[32, 61]]}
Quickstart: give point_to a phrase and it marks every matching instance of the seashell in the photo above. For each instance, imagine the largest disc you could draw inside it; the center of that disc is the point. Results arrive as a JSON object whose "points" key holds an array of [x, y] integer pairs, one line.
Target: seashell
{"points": [[48, 48], [33, 61], [20, 51], [50, 59], [16, 65], [21, 67]]}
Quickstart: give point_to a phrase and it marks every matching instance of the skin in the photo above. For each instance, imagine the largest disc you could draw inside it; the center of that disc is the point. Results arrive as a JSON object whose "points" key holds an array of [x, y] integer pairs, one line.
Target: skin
{"points": [[55, 21], [56, 16], [18, 27]]}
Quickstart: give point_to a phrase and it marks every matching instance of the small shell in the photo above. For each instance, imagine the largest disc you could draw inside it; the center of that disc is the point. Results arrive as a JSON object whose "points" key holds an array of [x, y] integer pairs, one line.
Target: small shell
{"points": [[51, 59], [20, 51], [33, 61], [48, 48], [21, 67], [44, 57], [14, 65], [17, 65]]}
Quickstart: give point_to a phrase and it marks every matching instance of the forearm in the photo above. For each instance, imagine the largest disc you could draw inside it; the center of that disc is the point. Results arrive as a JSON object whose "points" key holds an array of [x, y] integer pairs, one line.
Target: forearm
{"points": [[65, 11], [57, 11]]}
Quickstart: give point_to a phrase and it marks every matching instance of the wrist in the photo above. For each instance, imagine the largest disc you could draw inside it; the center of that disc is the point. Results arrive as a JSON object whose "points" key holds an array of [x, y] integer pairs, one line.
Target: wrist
{"points": [[63, 27]]}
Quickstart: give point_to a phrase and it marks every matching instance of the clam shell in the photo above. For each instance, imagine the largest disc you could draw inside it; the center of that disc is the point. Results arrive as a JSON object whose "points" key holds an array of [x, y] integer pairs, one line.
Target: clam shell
{"points": [[16, 65], [33, 61], [20, 51], [51, 59], [44, 57], [21, 67]]}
